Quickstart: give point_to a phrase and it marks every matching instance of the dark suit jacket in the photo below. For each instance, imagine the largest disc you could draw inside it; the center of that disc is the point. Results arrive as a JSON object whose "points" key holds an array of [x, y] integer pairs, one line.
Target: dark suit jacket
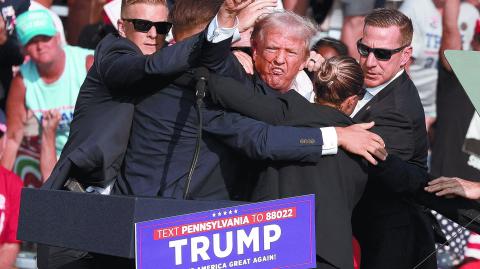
{"points": [[394, 175], [163, 139], [337, 181], [103, 113], [393, 232]]}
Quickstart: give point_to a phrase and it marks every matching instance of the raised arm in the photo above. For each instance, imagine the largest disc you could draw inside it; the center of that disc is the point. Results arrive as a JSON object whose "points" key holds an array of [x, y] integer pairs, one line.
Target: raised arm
{"points": [[451, 38], [243, 98], [48, 154], [16, 118]]}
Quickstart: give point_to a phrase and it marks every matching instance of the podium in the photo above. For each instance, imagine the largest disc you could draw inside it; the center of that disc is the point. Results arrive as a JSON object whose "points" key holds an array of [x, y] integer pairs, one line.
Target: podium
{"points": [[96, 223]]}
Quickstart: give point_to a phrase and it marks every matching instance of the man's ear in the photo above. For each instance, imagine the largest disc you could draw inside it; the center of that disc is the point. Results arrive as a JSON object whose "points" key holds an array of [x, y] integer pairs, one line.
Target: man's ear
{"points": [[254, 53], [121, 28], [406, 56]]}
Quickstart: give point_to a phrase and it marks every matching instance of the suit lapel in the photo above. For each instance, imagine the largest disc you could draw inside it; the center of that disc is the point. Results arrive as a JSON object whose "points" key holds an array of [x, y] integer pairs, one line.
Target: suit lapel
{"points": [[363, 114]]}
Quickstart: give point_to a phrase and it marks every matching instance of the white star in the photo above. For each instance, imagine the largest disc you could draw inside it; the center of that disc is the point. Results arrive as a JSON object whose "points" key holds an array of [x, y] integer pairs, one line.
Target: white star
{"points": [[219, 214], [230, 212], [213, 215], [224, 213], [235, 211]]}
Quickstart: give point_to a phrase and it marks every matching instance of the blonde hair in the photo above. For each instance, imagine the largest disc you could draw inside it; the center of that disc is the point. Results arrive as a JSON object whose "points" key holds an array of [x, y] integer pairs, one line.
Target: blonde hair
{"points": [[127, 3], [338, 78]]}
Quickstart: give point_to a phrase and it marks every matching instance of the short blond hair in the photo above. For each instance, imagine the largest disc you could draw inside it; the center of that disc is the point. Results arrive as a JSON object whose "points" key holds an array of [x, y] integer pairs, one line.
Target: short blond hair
{"points": [[387, 17], [127, 3]]}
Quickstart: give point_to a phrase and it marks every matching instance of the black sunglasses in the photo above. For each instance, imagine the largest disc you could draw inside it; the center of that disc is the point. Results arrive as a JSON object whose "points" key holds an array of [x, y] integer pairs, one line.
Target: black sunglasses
{"points": [[144, 26], [380, 54]]}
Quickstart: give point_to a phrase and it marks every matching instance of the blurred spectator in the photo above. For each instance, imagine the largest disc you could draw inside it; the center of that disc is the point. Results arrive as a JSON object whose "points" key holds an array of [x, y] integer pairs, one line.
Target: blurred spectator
{"points": [[298, 6], [10, 53], [50, 80], [329, 47], [91, 34], [426, 16], [10, 187], [354, 12], [46, 5]]}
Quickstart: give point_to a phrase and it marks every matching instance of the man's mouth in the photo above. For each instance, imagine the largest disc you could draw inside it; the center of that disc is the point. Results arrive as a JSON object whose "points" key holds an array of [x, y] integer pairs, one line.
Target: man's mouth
{"points": [[370, 75], [277, 71]]}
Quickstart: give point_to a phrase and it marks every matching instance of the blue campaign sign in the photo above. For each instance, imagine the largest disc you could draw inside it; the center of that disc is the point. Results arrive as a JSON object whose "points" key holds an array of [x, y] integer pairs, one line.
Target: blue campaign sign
{"points": [[273, 234]]}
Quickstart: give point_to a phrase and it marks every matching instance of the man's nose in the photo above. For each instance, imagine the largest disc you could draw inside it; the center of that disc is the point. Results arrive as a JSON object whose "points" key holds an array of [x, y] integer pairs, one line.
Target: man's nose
{"points": [[280, 57], [152, 33], [371, 60]]}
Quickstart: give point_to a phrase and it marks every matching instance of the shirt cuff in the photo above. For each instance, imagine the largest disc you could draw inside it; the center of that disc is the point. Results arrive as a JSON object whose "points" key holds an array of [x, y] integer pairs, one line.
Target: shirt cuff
{"points": [[330, 141], [215, 34]]}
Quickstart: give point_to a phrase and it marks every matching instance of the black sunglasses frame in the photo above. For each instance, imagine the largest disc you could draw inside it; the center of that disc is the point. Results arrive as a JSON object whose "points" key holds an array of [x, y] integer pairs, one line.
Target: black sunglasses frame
{"points": [[162, 27], [380, 54]]}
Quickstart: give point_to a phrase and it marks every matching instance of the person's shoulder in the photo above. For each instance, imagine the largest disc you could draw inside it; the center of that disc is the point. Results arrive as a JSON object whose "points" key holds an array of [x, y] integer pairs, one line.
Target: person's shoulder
{"points": [[80, 50], [114, 42], [10, 178]]}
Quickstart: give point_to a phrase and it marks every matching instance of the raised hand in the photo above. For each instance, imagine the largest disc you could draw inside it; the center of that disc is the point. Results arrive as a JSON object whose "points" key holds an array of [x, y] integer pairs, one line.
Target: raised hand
{"points": [[314, 61], [229, 11], [235, 6], [249, 15], [50, 121]]}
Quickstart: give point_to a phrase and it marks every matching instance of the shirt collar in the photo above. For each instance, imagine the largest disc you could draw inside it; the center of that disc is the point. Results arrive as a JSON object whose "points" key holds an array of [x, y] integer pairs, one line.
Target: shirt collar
{"points": [[375, 90]]}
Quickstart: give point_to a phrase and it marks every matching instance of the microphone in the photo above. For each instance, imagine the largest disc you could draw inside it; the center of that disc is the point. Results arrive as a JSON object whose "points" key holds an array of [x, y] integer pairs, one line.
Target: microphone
{"points": [[201, 75]]}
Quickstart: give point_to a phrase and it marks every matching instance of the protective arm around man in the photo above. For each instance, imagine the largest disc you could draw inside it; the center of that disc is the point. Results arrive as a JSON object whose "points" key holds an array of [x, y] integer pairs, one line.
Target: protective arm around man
{"points": [[243, 98], [259, 140]]}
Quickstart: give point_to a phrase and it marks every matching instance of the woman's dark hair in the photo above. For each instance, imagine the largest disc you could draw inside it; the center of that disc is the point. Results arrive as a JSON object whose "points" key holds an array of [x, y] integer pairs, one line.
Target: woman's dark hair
{"points": [[338, 78], [333, 43]]}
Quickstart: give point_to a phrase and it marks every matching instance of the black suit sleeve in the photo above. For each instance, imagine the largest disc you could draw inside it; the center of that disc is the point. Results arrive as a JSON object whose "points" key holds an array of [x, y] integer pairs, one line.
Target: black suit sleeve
{"points": [[242, 97], [399, 176], [124, 67], [462, 211], [397, 131]]}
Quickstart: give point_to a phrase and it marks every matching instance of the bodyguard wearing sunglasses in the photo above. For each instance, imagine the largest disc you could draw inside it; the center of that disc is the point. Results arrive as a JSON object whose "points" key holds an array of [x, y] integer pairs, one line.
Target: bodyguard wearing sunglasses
{"points": [[121, 74], [392, 231]]}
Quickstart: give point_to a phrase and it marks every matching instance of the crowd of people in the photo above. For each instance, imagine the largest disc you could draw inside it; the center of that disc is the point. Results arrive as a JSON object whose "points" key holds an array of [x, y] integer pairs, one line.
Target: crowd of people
{"points": [[242, 100]]}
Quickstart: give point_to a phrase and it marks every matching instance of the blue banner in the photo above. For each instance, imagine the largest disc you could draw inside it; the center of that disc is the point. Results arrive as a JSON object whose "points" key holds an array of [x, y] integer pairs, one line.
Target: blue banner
{"points": [[273, 234]]}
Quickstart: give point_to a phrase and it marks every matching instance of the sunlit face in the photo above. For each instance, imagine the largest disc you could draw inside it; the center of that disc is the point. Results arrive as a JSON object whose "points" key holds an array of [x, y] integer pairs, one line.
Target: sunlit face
{"points": [[378, 72], [150, 41], [279, 57], [43, 49]]}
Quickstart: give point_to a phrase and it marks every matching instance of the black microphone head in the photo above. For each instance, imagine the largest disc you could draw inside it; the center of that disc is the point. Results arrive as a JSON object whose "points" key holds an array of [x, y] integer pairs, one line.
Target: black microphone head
{"points": [[201, 73]]}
